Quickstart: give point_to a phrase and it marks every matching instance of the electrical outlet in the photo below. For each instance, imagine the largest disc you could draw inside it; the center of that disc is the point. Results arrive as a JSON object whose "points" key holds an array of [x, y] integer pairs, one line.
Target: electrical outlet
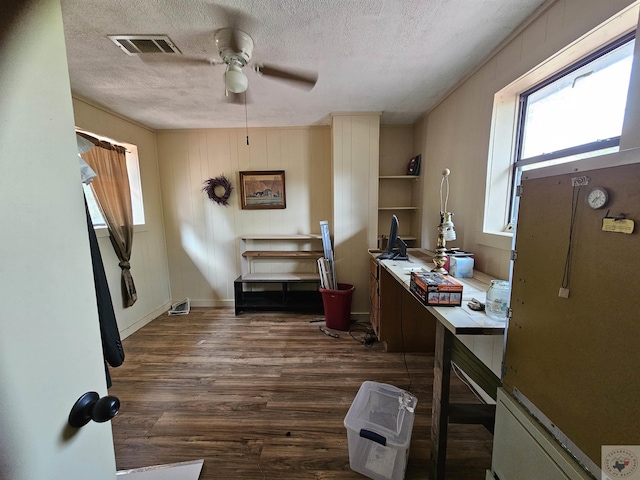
{"points": [[580, 181]]}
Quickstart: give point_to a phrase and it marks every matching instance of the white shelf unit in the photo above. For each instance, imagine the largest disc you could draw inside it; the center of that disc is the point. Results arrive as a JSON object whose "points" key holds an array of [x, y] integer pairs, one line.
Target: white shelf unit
{"points": [[289, 251], [279, 273], [397, 194]]}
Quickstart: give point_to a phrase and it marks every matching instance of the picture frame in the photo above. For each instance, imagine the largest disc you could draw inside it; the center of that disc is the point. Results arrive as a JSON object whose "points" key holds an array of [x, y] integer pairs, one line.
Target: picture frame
{"points": [[262, 190]]}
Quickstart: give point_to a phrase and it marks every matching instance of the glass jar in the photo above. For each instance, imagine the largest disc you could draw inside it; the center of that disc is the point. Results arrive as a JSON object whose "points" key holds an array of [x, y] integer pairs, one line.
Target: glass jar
{"points": [[497, 299]]}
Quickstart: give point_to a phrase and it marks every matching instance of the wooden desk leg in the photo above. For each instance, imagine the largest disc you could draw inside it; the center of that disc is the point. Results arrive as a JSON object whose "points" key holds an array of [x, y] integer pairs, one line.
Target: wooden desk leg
{"points": [[440, 406]]}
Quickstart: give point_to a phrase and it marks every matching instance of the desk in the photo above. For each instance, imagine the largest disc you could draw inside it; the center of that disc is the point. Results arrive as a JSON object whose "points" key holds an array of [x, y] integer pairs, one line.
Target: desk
{"points": [[452, 321]]}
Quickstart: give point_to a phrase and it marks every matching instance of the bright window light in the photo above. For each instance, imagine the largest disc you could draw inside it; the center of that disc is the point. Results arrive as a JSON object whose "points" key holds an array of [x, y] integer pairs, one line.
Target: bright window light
{"points": [[579, 111], [135, 185]]}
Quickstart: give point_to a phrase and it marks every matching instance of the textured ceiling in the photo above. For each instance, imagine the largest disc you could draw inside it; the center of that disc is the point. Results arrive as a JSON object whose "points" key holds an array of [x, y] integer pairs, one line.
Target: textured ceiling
{"points": [[398, 57]]}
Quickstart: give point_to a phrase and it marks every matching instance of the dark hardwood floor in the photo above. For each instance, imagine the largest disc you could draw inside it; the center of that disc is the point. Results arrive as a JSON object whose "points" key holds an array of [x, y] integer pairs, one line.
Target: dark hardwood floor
{"points": [[264, 396]]}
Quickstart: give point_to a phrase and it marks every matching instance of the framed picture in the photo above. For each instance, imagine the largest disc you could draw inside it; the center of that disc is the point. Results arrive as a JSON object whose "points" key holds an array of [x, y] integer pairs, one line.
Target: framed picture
{"points": [[262, 190]]}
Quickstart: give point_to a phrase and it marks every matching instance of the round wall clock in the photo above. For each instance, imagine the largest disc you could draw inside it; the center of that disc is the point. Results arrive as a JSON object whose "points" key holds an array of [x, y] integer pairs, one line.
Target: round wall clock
{"points": [[597, 198]]}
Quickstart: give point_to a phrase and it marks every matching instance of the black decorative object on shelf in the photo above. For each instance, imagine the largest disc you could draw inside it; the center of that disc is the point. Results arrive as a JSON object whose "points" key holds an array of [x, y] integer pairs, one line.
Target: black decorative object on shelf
{"points": [[213, 183], [413, 167]]}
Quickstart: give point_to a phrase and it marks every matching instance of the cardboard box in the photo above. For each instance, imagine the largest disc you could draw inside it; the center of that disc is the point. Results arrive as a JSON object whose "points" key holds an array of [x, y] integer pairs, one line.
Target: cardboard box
{"points": [[435, 289]]}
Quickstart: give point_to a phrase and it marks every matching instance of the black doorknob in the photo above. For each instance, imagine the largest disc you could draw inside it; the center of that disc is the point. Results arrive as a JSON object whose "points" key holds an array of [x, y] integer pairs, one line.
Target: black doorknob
{"points": [[91, 407]]}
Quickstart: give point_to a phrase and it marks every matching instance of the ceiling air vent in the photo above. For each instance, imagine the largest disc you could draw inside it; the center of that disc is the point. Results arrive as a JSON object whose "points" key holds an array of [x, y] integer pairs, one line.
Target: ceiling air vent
{"points": [[136, 44]]}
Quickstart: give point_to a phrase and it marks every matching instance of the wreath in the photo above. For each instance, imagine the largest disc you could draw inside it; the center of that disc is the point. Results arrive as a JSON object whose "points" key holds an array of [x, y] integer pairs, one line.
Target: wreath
{"points": [[212, 184]]}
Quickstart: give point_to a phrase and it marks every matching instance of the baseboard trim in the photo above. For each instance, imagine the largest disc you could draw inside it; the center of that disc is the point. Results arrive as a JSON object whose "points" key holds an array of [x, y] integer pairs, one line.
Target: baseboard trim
{"points": [[125, 332], [355, 316], [212, 303]]}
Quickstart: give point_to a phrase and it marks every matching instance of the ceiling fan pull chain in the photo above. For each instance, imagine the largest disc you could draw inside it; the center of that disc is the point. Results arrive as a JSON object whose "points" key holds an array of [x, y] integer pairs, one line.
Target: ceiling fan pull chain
{"points": [[246, 117]]}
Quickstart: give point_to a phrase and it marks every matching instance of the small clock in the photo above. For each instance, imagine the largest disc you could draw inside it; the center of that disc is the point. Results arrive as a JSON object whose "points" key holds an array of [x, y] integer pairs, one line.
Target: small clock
{"points": [[597, 198]]}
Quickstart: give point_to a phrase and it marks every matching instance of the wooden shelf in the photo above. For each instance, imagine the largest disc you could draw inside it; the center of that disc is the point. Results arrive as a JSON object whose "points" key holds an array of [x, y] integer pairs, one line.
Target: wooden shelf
{"points": [[398, 193], [397, 208], [252, 247], [300, 236], [280, 277], [398, 177], [283, 254], [286, 291]]}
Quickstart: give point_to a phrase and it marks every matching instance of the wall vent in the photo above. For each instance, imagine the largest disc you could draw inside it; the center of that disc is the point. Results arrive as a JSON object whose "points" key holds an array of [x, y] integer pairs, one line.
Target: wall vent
{"points": [[136, 44]]}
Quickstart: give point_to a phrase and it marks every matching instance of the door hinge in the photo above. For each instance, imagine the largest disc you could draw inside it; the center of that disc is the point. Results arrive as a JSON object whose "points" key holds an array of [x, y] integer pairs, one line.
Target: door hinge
{"points": [[519, 190], [514, 255]]}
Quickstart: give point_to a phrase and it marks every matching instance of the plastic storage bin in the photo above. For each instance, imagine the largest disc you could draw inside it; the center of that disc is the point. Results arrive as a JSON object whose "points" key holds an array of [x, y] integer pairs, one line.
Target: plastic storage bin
{"points": [[379, 425]]}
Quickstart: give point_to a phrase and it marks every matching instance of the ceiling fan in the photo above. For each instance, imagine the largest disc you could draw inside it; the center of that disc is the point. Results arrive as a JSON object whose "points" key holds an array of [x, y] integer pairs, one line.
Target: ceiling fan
{"points": [[234, 46], [236, 49]]}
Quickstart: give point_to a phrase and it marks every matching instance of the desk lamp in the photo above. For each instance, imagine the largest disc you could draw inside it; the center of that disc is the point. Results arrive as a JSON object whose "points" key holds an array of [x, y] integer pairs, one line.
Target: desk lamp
{"points": [[446, 231]]}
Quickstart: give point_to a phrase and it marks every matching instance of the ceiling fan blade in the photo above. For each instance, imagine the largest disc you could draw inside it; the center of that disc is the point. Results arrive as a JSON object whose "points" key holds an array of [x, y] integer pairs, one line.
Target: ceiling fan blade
{"points": [[302, 79]]}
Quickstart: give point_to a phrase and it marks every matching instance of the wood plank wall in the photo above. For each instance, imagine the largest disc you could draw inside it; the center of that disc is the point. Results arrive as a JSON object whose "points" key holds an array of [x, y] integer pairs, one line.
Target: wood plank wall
{"points": [[149, 256], [456, 134], [202, 236], [356, 157]]}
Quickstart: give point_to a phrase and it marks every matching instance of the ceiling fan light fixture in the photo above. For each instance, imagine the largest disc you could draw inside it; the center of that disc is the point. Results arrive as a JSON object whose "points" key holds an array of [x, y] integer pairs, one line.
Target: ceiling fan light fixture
{"points": [[234, 80]]}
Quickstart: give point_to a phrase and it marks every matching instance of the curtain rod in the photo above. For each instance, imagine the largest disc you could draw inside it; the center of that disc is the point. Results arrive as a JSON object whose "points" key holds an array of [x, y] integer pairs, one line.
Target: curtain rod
{"points": [[101, 143]]}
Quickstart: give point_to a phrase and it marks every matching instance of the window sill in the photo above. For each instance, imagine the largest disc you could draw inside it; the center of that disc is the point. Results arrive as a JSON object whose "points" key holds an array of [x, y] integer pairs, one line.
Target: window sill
{"points": [[500, 240], [103, 232]]}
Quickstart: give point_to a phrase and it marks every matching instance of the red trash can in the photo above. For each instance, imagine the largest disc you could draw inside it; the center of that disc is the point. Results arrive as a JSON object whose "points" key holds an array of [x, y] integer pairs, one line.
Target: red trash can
{"points": [[337, 306]]}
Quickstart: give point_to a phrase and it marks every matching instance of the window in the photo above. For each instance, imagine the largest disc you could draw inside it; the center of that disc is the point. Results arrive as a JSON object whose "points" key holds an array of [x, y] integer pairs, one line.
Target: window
{"points": [[575, 114], [537, 121], [133, 171], [578, 112]]}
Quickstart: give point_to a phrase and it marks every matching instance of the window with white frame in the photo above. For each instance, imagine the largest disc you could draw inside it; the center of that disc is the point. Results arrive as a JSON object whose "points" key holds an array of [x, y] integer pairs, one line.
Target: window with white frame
{"points": [[577, 113], [541, 120], [133, 172]]}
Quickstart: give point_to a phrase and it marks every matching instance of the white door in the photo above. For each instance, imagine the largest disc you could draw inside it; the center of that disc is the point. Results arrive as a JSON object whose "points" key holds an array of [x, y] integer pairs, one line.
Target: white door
{"points": [[50, 349]]}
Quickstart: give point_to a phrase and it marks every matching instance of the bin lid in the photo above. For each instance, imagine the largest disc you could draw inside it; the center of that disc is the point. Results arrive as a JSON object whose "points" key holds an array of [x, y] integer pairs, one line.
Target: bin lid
{"points": [[385, 410]]}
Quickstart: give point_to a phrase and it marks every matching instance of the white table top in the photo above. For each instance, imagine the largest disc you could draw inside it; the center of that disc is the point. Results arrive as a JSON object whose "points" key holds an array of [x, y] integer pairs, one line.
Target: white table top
{"points": [[459, 320]]}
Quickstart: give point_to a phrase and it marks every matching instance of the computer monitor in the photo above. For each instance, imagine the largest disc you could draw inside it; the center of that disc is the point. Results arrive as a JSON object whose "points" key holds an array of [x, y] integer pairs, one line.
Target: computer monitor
{"points": [[396, 247]]}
